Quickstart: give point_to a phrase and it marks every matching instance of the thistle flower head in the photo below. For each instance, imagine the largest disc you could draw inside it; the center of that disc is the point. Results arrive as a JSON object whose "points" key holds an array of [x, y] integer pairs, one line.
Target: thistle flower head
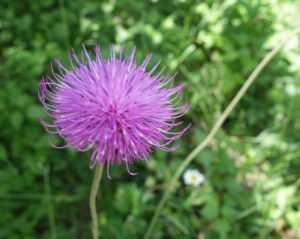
{"points": [[113, 106]]}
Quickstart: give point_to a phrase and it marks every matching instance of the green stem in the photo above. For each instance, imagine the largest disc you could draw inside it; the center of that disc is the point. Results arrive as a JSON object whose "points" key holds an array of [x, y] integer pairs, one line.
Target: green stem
{"points": [[65, 23], [94, 190], [50, 207], [214, 130]]}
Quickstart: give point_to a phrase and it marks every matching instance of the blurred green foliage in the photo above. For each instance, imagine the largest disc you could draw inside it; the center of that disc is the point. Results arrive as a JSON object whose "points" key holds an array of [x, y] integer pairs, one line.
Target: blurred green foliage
{"points": [[252, 168]]}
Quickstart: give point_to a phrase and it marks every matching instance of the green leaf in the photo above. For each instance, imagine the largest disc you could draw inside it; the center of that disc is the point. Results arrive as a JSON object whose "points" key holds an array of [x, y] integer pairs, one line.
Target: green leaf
{"points": [[222, 226], [211, 208]]}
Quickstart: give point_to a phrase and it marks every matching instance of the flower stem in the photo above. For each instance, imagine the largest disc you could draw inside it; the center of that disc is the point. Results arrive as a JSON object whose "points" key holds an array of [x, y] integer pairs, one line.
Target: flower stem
{"points": [[214, 130], [64, 23], [94, 190]]}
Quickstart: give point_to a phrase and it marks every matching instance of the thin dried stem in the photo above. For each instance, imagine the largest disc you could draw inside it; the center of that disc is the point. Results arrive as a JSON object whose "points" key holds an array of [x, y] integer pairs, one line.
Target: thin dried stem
{"points": [[214, 130]]}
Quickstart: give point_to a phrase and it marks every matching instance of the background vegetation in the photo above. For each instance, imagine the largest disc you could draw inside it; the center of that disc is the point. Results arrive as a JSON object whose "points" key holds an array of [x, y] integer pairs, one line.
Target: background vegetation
{"points": [[252, 168]]}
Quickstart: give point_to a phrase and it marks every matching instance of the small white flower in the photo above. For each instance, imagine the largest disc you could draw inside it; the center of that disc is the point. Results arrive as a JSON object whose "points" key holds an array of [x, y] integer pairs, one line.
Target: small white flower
{"points": [[193, 177]]}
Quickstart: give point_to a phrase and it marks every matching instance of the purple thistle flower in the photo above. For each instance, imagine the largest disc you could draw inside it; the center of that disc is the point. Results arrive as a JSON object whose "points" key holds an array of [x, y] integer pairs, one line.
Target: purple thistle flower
{"points": [[114, 106]]}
